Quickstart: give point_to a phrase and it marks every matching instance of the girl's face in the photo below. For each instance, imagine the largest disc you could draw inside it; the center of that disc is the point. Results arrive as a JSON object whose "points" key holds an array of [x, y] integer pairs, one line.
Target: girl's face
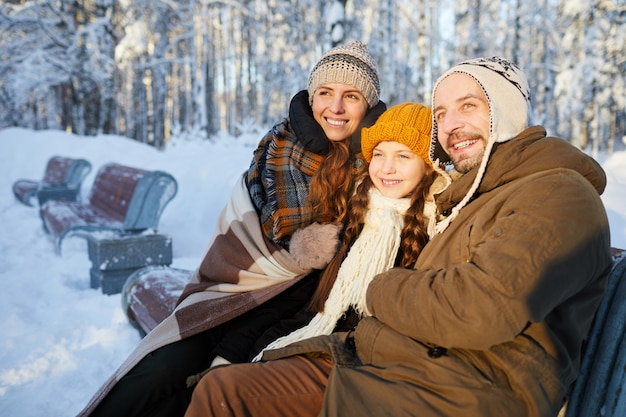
{"points": [[339, 109], [395, 169]]}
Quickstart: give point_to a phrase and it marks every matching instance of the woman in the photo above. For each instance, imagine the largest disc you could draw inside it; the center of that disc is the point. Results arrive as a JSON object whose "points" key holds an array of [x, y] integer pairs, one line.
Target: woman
{"points": [[388, 224], [248, 280]]}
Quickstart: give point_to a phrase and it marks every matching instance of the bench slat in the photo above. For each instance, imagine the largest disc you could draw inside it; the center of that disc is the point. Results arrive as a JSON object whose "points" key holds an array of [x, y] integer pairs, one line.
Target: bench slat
{"points": [[113, 190]]}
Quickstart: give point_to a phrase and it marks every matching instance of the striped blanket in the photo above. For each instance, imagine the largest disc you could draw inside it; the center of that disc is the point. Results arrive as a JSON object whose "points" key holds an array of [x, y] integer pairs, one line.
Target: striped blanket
{"points": [[240, 270]]}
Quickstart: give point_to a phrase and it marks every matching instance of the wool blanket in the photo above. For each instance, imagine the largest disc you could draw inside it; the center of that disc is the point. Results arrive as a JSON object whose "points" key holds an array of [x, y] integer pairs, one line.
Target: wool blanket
{"points": [[240, 270]]}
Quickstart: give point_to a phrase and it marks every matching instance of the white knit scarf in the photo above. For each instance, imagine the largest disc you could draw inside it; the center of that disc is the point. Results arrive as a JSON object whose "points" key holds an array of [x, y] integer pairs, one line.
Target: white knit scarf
{"points": [[373, 252]]}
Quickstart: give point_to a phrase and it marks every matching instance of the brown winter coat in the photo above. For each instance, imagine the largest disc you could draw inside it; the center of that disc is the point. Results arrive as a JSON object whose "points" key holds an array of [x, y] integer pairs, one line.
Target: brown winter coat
{"points": [[491, 321]]}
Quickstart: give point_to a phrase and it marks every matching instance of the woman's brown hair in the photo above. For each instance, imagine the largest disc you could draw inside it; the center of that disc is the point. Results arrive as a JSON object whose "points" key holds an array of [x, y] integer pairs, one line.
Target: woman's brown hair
{"points": [[414, 234], [331, 185]]}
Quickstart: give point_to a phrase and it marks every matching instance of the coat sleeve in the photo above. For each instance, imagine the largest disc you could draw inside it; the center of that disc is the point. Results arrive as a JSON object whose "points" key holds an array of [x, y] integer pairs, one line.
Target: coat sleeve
{"points": [[536, 256]]}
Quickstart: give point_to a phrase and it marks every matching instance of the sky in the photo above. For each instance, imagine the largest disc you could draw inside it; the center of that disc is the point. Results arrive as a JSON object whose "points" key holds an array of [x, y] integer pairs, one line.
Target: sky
{"points": [[62, 339]]}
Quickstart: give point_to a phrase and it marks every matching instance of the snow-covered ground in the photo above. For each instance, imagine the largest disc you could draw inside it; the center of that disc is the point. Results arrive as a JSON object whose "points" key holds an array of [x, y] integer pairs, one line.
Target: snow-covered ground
{"points": [[60, 338]]}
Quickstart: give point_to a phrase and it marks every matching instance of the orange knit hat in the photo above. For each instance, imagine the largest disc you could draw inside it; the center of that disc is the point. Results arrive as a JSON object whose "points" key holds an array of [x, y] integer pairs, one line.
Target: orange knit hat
{"points": [[408, 123]]}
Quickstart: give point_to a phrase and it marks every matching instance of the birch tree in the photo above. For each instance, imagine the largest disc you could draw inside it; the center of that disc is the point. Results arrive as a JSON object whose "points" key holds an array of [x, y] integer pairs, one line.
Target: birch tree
{"points": [[153, 69]]}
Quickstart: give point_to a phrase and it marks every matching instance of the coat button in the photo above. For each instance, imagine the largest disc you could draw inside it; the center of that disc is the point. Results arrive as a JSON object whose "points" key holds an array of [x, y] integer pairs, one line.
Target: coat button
{"points": [[436, 352]]}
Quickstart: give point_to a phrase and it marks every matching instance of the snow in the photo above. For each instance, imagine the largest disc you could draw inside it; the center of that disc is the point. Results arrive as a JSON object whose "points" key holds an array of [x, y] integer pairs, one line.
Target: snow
{"points": [[62, 339]]}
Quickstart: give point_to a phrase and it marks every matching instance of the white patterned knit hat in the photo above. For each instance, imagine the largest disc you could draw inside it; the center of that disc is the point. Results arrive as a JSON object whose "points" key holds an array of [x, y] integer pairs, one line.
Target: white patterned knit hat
{"points": [[508, 95], [347, 64]]}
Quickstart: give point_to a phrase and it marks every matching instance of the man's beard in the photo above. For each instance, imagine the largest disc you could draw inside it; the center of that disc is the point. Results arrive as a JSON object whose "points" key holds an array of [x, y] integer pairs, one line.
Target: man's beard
{"points": [[466, 165]]}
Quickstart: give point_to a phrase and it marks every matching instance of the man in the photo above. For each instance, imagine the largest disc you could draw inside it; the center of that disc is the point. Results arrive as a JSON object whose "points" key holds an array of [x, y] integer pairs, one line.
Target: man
{"points": [[491, 320]]}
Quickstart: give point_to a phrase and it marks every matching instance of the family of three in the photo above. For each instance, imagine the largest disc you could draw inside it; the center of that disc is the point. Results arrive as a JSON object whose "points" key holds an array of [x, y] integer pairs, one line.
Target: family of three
{"points": [[321, 294]]}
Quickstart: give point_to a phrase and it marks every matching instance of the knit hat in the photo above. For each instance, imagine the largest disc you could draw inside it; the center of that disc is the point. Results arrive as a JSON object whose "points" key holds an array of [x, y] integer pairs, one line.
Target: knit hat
{"points": [[347, 64], [408, 123], [508, 95]]}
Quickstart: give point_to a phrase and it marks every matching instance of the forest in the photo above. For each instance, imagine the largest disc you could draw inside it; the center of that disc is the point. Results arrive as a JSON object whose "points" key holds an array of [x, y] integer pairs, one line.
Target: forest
{"points": [[154, 69]]}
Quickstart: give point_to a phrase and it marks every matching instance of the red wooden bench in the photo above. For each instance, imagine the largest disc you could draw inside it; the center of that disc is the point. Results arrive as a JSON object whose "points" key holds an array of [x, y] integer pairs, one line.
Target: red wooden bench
{"points": [[62, 180], [123, 200], [150, 294], [119, 221]]}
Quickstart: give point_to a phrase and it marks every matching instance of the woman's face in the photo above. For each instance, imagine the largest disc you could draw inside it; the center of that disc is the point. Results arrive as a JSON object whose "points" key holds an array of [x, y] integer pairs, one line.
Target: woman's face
{"points": [[395, 169], [339, 109]]}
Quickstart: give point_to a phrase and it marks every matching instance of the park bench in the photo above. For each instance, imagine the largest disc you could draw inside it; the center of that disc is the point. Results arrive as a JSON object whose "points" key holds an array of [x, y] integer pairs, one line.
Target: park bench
{"points": [[123, 200], [599, 388], [119, 222], [150, 294], [62, 180]]}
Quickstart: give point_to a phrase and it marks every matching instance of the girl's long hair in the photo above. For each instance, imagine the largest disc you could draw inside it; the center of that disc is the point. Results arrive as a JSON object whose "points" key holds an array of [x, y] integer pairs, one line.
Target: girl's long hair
{"points": [[414, 234]]}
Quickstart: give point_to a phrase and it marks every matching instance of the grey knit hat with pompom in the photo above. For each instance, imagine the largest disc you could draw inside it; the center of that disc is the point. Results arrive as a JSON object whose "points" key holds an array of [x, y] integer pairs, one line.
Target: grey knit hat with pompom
{"points": [[347, 64]]}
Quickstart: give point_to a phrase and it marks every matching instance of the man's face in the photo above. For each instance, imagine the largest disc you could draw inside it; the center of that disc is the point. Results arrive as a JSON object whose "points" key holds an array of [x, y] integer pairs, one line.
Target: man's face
{"points": [[461, 112]]}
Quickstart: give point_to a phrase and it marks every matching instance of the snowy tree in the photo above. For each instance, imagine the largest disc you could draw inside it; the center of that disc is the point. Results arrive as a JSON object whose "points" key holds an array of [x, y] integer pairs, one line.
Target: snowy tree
{"points": [[35, 64], [590, 85], [335, 22], [150, 68], [94, 69]]}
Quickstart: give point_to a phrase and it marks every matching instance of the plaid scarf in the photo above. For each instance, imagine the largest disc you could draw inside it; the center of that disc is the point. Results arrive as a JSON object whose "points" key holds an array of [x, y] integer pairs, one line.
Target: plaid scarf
{"points": [[278, 182], [284, 162]]}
